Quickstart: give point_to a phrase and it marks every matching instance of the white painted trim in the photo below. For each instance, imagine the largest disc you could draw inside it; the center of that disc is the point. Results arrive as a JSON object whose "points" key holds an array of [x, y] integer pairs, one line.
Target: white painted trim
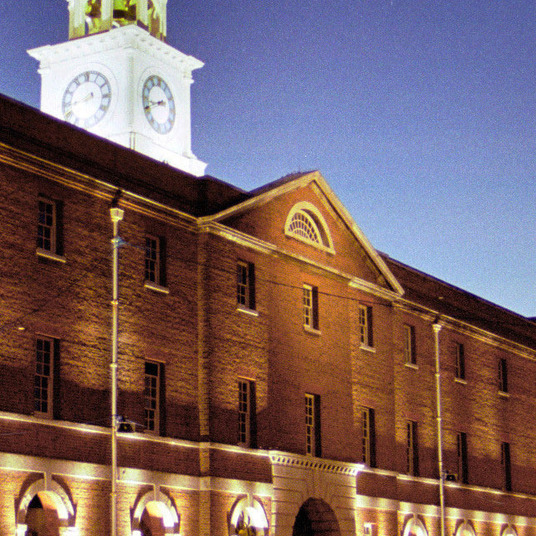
{"points": [[256, 244], [301, 181], [305, 206]]}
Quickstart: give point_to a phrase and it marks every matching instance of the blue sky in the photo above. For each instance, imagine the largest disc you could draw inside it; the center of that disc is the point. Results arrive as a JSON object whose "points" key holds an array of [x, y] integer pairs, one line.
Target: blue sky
{"points": [[420, 114]]}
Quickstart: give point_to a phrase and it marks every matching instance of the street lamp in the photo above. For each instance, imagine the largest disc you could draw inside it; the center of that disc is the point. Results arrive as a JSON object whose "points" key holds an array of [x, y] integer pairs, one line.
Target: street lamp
{"points": [[116, 216]]}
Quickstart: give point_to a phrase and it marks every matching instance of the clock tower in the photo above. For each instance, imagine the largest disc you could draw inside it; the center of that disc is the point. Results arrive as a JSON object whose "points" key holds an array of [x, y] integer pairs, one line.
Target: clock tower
{"points": [[116, 77]]}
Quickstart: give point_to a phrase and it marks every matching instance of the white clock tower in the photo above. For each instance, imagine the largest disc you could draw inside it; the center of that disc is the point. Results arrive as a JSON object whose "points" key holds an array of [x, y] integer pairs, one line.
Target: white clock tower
{"points": [[117, 78]]}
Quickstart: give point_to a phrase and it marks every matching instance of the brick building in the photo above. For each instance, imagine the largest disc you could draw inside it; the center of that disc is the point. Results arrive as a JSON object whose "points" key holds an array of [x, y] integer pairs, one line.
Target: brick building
{"points": [[276, 375], [274, 371]]}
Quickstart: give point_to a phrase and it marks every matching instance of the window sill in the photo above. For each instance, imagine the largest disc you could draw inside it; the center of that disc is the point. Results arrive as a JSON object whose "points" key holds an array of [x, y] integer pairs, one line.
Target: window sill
{"points": [[367, 348], [504, 394], [412, 366], [460, 380], [311, 330], [41, 415], [157, 288], [49, 255], [247, 311]]}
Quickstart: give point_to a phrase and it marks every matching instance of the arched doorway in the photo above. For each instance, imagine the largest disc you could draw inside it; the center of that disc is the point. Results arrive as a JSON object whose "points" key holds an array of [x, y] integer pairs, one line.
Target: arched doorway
{"points": [[42, 516], [465, 529], [248, 518], [155, 514], [152, 520], [415, 527], [316, 518], [45, 508]]}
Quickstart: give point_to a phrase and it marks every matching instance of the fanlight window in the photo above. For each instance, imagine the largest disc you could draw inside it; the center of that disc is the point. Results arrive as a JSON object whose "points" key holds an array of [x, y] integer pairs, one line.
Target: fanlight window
{"points": [[306, 223]]}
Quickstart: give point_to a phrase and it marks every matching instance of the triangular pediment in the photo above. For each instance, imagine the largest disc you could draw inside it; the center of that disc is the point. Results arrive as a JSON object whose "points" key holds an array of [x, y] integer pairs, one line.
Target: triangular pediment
{"points": [[301, 216]]}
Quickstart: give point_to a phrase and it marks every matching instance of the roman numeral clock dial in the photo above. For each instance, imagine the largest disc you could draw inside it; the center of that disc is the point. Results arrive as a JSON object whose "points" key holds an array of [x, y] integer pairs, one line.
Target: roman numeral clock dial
{"points": [[86, 99], [158, 104]]}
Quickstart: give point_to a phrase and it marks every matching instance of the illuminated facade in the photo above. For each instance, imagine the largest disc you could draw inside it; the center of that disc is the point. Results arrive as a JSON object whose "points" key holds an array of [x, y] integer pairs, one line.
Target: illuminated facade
{"points": [[276, 375]]}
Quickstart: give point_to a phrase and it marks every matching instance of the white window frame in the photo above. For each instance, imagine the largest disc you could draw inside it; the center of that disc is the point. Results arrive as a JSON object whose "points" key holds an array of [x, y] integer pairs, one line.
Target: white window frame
{"points": [[315, 221], [152, 259], [460, 361], [245, 285], [152, 397], [410, 350], [45, 348], [412, 448], [368, 438], [47, 230], [246, 405], [366, 326], [503, 375], [310, 307], [462, 454], [312, 424]]}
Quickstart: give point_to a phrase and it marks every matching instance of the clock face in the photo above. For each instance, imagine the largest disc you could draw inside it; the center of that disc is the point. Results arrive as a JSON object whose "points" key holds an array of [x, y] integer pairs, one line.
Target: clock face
{"points": [[158, 104], [87, 99]]}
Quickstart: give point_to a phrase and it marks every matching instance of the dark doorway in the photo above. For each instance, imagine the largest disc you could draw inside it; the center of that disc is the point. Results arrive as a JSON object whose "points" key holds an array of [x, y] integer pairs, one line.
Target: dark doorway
{"points": [[316, 518]]}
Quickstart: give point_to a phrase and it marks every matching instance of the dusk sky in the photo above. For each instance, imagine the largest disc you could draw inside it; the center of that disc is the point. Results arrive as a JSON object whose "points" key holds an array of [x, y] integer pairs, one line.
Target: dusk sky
{"points": [[419, 114]]}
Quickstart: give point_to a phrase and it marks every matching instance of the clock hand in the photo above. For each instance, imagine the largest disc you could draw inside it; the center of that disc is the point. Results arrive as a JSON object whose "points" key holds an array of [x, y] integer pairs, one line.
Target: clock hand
{"points": [[89, 96], [155, 103]]}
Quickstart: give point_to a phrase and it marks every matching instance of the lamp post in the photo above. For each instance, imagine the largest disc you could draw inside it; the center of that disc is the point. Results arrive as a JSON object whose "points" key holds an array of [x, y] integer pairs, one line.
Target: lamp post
{"points": [[437, 328], [116, 216]]}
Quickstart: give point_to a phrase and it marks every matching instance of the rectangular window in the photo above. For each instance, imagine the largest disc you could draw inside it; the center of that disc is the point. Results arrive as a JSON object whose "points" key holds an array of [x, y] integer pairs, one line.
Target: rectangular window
{"points": [[410, 354], [412, 449], [368, 435], [49, 227], [310, 306], [503, 375], [45, 357], [245, 285], [463, 467], [506, 465], [312, 425], [365, 325], [153, 397], [155, 271], [247, 413], [460, 361]]}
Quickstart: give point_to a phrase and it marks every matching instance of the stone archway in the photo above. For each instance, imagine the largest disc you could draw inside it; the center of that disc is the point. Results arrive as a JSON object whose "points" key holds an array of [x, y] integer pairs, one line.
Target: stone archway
{"points": [[155, 514], [316, 518], [45, 509], [42, 516]]}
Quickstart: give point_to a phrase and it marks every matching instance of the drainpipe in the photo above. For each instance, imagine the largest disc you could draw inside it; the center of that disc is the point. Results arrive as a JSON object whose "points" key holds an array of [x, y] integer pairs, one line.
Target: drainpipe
{"points": [[437, 328], [116, 216]]}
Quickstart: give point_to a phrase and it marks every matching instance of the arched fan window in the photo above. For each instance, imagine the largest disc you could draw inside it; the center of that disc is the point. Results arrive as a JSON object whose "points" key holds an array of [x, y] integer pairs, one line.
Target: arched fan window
{"points": [[306, 223]]}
